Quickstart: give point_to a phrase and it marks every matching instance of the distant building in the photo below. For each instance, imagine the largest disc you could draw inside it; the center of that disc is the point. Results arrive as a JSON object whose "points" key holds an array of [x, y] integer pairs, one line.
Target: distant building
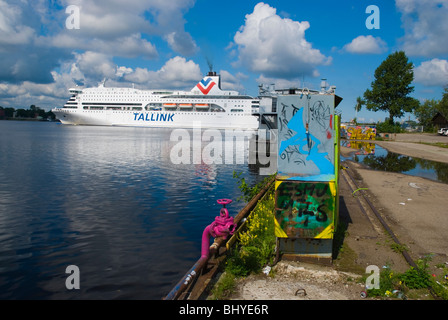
{"points": [[439, 121]]}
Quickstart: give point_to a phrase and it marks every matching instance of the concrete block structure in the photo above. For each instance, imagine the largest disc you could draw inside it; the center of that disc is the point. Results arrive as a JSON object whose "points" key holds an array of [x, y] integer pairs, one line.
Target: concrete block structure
{"points": [[306, 187]]}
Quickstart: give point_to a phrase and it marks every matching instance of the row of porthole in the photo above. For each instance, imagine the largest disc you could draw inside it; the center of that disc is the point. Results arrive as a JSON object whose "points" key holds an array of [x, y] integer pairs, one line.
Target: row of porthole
{"points": [[175, 112], [195, 113]]}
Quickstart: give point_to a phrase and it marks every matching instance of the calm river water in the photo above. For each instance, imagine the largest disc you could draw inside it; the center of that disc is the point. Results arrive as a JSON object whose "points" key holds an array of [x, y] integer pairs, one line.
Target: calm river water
{"points": [[108, 200]]}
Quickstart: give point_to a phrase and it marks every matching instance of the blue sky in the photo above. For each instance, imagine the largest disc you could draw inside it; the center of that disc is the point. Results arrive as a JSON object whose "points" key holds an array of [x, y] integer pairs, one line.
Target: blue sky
{"points": [[154, 44]]}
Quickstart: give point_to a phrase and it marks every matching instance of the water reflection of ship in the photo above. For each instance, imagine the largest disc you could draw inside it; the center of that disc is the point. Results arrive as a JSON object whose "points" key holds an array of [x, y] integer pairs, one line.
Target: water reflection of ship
{"points": [[206, 174]]}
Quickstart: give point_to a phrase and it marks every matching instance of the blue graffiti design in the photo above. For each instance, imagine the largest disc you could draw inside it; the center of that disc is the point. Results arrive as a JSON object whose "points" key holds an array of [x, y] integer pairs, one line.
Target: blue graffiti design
{"points": [[308, 144]]}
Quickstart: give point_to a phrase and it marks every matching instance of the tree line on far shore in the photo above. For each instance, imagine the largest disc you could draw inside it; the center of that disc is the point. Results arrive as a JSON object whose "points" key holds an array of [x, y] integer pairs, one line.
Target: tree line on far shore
{"points": [[33, 112]]}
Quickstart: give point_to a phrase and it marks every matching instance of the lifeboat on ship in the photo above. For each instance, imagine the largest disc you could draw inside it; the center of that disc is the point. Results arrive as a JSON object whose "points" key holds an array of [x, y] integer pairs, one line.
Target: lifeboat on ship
{"points": [[202, 106], [185, 105], [170, 105]]}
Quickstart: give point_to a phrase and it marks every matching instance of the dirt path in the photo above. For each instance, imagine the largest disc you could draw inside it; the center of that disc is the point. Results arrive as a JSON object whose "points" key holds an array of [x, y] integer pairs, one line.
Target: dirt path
{"points": [[416, 206]]}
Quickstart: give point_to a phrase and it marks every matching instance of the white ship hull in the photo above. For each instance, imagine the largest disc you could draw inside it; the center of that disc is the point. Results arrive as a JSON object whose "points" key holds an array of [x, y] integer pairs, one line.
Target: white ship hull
{"points": [[157, 119], [206, 105]]}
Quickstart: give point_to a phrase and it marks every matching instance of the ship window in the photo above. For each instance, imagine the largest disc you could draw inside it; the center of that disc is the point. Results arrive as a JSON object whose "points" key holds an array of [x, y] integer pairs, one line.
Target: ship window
{"points": [[236, 110]]}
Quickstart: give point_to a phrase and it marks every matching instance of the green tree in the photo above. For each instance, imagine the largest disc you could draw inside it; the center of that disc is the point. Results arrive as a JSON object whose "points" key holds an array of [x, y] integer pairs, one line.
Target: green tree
{"points": [[22, 113], [425, 112], [9, 112], [443, 104], [359, 104], [358, 107], [392, 86]]}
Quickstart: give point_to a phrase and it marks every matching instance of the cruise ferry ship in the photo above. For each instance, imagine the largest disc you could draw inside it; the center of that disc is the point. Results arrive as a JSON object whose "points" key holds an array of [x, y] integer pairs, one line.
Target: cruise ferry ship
{"points": [[205, 105]]}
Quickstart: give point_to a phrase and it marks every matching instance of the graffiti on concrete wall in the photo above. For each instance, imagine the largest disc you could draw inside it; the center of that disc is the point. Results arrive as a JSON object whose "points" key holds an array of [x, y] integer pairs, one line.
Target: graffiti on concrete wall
{"points": [[361, 133], [305, 210], [306, 130]]}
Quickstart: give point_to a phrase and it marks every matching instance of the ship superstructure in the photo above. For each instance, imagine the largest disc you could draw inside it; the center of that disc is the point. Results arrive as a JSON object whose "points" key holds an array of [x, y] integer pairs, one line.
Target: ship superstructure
{"points": [[206, 105]]}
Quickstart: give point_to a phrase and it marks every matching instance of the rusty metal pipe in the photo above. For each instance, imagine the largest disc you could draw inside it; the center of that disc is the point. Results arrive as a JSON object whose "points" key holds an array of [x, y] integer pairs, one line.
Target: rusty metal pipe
{"points": [[185, 282]]}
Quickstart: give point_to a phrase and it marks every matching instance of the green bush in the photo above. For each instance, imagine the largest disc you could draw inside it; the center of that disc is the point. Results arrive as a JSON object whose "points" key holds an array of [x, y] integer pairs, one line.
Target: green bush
{"points": [[242, 262], [387, 127], [247, 191], [416, 278], [389, 281], [413, 278]]}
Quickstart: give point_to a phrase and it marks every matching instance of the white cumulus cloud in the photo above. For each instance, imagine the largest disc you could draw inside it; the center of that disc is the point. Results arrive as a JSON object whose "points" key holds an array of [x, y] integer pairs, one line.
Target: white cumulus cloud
{"points": [[40, 58], [432, 73], [232, 82], [366, 45], [120, 27], [12, 31], [91, 68], [276, 46], [176, 73], [96, 65], [426, 26]]}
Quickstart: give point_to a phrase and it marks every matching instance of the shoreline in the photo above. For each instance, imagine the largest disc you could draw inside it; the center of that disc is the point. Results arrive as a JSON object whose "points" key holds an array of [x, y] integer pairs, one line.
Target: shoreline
{"points": [[416, 150], [28, 119], [412, 145]]}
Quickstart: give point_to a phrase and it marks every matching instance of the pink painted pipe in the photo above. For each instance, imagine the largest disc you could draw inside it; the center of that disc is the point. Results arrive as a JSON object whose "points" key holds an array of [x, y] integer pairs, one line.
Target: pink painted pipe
{"points": [[221, 227]]}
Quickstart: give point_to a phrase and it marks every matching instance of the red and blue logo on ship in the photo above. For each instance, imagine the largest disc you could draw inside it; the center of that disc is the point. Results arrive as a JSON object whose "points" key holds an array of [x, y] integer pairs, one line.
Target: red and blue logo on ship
{"points": [[206, 85]]}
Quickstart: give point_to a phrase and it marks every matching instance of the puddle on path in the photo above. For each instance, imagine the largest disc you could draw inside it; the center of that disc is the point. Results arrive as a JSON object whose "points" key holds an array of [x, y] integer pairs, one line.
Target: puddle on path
{"points": [[378, 158]]}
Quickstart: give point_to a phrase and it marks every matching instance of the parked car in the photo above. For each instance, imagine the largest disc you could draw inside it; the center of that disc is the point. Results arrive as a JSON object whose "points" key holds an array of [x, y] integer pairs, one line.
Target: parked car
{"points": [[443, 131]]}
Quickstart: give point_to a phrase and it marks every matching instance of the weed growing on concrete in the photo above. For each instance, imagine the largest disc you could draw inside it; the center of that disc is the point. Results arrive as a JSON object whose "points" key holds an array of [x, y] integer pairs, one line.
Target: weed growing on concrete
{"points": [[396, 285], [389, 282], [399, 248], [417, 278], [224, 288], [247, 191], [257, 242]]}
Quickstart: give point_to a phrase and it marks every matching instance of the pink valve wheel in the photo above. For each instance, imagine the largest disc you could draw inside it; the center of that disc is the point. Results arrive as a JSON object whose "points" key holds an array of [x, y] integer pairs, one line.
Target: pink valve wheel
{"points": [[224, 202]]}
